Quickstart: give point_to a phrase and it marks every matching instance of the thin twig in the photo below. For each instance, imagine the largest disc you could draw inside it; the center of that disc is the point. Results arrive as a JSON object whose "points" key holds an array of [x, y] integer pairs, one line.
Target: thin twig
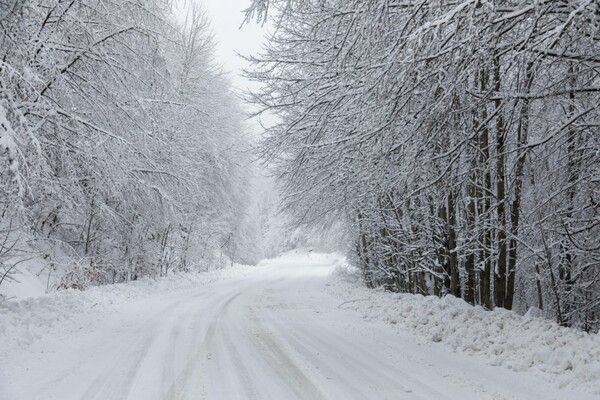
{"points": [[352, 301]]}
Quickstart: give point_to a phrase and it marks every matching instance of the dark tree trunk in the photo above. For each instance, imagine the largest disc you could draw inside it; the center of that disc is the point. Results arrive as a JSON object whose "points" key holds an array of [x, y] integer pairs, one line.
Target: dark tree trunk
{"points": [[452, 251], [485, 206], [500, 272], [522, 138]]}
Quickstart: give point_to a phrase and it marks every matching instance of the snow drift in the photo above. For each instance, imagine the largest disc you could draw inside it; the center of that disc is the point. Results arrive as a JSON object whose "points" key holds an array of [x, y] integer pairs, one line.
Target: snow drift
{"points": [[566, 356]]}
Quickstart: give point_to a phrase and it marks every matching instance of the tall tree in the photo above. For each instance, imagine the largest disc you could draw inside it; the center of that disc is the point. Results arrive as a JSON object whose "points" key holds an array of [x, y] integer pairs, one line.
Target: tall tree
{"points": [[451, 135]]}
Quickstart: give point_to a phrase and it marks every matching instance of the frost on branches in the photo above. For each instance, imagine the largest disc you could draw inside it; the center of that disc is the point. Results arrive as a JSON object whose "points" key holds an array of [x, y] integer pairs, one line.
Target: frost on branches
{"points": [[458, 140], [122, 153]]}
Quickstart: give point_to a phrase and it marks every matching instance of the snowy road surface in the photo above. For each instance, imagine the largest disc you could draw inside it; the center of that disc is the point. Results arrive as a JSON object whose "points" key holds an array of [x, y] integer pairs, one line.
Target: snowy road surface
{"points": [[274, 333]]}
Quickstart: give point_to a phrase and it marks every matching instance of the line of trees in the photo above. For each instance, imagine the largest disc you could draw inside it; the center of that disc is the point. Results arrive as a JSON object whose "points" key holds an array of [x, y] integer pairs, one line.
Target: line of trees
{"points": [[122, 150], [459, 140]]}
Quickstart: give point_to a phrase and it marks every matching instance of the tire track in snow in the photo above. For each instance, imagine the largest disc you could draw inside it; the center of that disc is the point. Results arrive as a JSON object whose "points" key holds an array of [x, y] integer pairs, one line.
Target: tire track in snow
{"points": [[347, 356], [180, 333], [312, 355], [197, 365], [122, 369], [281, 362], [114, 385], [250, 391]]}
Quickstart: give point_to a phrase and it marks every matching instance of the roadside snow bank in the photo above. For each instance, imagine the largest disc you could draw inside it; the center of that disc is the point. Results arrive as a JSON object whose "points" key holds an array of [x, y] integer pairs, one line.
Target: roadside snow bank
{"points": [[565, 356], [23, 322]]}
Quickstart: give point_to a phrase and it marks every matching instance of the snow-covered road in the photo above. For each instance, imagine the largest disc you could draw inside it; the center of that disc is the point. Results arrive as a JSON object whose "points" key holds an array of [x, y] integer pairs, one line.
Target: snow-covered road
{"points": [[274, 333]]}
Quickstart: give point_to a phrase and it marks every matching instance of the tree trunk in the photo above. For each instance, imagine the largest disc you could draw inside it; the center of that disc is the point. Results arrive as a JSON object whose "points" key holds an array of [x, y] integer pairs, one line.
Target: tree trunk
{"points": [[522, 138], [469, 290], [452, 254], [486, 234], [500, 272]]}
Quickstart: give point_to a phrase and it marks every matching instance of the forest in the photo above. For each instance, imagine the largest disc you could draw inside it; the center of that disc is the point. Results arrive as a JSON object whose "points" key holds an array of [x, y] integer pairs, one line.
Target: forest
{"points": [[450, 147], [123, 150], [299, 199], [458, 141]]}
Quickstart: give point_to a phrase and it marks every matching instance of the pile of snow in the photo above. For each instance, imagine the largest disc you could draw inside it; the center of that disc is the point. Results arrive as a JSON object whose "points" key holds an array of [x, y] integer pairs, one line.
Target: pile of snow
{"points": [[21, 285], [522, 343], [23, 322]]}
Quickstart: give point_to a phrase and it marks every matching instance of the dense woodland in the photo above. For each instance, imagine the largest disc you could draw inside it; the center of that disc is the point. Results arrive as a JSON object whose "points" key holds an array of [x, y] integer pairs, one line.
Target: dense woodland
{"points": [[122, 147], [458, 140]]}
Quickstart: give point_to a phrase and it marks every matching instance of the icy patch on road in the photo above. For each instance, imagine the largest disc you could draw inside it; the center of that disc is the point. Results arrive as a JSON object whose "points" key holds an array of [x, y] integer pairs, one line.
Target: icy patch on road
{"points": [[23, 322], [568, 357]]}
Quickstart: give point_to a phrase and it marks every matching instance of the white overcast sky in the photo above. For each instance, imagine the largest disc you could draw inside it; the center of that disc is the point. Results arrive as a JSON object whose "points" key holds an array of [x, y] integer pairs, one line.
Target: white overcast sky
{"points": [[232, 36]]}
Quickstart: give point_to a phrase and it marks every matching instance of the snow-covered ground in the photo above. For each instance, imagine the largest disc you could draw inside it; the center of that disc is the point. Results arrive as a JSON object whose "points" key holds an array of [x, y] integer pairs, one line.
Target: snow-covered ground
{"points": [[286, 329], [23, 322], [566, 357]]}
